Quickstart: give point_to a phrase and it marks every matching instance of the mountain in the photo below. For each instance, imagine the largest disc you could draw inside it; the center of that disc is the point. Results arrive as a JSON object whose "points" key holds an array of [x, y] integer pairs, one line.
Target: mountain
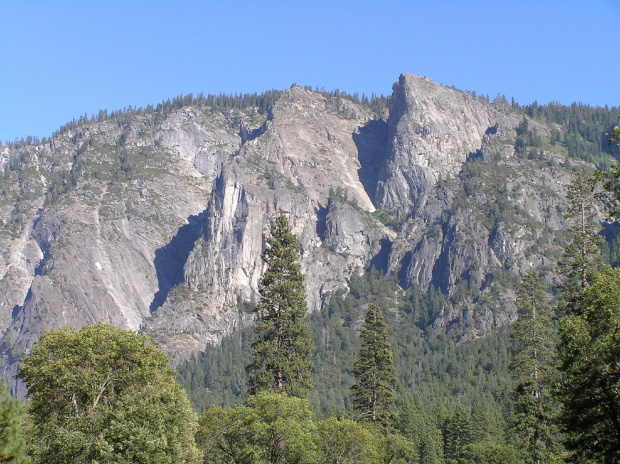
{"points": [[153, 219]]}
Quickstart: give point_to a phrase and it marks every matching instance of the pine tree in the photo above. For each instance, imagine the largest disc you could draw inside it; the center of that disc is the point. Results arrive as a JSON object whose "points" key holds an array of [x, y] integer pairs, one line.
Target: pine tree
{"points": [[457, 433], [533, 372], [12, 444], [582, 256], [589, 351], [373, 393], [280, 355]]}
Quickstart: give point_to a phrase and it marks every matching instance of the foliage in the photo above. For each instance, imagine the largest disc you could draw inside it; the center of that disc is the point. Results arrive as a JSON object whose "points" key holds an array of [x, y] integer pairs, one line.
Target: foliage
{"points": [[276, 428], [434, 366], [90, 391], [589, 351], [457, 433], [217, 376], [387, 219], [151, 424], [533, 371], [430, 369], [373, 395], [611, 194], [280, 355], [583, 127], [487, 453], [420, 425], [582, 256], [344, 441], [272, 428], [12, 443]]}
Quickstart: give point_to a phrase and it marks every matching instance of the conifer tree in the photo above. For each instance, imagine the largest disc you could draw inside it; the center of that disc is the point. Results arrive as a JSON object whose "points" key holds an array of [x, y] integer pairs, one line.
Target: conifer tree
{"points": [[280, 355], [589, 352], [12, 444], [533, 372], [457, 433], [373, 393], [582, 256]]}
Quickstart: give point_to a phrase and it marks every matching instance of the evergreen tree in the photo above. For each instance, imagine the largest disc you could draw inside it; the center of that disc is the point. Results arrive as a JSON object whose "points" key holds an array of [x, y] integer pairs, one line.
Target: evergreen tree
{"points": [[12, 444], [280, 355], [457, 433], [582, 255], [589, 352], [533, 372], [373, 393]]}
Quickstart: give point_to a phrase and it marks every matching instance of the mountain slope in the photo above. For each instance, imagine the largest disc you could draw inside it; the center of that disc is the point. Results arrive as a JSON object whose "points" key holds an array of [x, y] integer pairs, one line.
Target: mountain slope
{"points": [[154, 219]]}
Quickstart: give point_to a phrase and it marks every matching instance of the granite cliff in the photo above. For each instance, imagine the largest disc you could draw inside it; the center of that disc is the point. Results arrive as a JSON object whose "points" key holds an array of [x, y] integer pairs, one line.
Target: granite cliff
{"points": [[154, 220]]}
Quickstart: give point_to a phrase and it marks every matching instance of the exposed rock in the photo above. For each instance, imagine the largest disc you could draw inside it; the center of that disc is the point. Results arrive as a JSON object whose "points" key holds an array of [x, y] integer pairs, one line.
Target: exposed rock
{"points": [[155, 221]]}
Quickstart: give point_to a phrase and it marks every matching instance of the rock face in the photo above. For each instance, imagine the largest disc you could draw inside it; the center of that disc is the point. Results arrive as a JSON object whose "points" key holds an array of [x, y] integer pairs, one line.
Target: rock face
{"points": [[155, 220], [432, 130]]}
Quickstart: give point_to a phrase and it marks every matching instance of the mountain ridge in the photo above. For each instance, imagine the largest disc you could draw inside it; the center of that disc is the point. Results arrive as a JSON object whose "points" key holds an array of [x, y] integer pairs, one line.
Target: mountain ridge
{"points": [[154, 221]]}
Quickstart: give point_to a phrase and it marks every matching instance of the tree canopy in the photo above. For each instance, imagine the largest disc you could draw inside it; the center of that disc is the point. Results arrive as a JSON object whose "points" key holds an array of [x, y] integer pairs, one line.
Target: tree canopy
{"points": [[589, 354], [103, 394]]}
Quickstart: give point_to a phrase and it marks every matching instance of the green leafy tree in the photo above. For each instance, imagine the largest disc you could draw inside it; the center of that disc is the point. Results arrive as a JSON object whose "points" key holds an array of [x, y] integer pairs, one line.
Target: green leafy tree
{"points": [[152, 424], [280, 355], [343, 441], [532, 369], [399, 450], [272, 428], [610, 196], [589, 352], [99, 394], [12, 443], [373, 395], [487, 453]]}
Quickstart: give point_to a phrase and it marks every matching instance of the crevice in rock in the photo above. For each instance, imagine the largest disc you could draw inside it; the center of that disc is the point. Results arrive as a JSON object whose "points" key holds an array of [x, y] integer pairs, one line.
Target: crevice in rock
{"points": [[380, 261], [402, 272], [170, 259], [44, 246], [321, 221], [371, 141], [17, 309], [441, 268], [492, 130], [247, 135]]}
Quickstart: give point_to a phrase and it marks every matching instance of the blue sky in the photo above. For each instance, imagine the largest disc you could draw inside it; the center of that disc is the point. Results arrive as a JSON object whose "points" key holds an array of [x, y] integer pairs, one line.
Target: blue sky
{"points": [[62, 59]]}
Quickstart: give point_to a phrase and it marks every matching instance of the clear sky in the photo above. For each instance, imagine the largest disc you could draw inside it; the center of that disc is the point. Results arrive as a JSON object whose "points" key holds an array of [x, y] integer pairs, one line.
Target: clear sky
{"points": [[62, 59]]}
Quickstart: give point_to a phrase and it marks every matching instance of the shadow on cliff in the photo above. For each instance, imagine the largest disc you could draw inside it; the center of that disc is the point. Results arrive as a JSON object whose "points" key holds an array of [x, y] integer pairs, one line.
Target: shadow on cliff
{"points": [[371, 141], [170, 259]]}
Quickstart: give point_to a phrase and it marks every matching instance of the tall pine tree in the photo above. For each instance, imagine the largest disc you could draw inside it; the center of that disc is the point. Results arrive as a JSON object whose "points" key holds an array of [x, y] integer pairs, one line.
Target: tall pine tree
{"points": [[280, 355], [590, 391], [373, 393], [582, 256], [532, 369]]}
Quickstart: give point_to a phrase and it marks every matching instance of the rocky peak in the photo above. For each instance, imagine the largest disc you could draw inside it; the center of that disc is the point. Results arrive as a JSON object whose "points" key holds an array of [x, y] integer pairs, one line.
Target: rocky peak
{"points": [[432, 130]]}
